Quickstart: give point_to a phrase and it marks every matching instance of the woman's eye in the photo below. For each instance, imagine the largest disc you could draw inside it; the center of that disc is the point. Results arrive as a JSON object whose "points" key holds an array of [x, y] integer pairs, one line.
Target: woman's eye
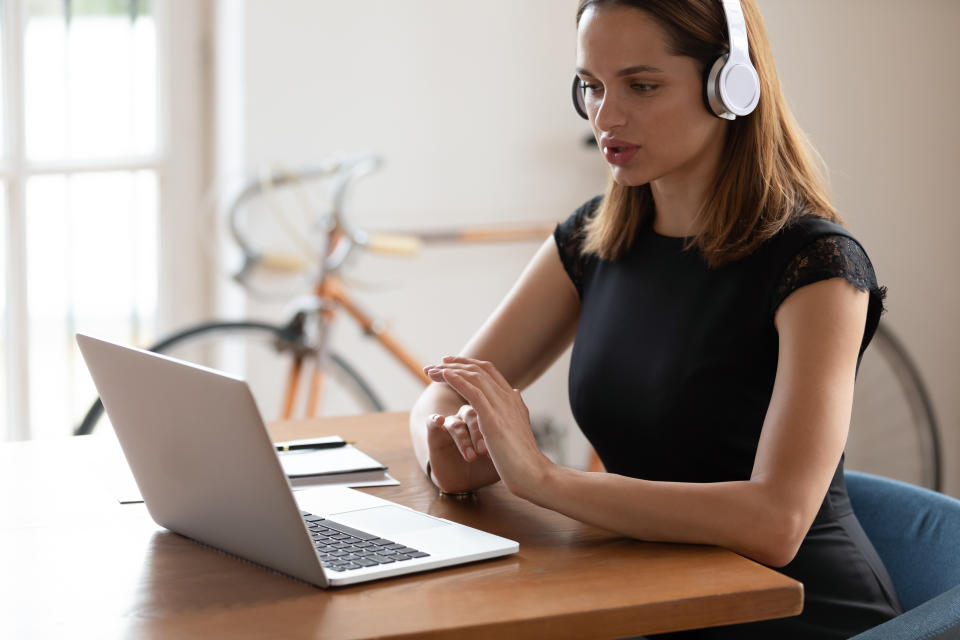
{"points": [[643, 87]]}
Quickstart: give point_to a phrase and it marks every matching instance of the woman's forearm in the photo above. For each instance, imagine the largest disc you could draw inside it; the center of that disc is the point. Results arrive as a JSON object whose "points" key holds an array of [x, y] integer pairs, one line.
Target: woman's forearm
{"points": [[746, 517]]}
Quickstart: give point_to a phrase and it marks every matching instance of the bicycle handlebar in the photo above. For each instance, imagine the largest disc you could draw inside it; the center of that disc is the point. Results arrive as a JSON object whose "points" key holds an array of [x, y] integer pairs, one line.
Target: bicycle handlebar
{"points": [[344, 172], [341, 236]]}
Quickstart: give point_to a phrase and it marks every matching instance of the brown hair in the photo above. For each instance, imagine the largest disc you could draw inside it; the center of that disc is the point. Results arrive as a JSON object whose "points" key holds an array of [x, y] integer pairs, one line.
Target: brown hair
{"points": [[768, 175]]}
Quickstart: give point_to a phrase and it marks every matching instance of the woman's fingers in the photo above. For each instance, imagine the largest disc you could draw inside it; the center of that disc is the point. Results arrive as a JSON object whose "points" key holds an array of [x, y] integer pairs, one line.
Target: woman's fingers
{"points": [[461, 436], [458, 363], [437, 436], [499, 410], [483, 387], [442, 430], [469, 416], [469, 384], [486, 366]]}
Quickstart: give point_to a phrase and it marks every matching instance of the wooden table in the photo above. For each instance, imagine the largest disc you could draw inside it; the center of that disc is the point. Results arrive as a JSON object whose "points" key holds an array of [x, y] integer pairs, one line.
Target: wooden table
{"points": [[75, 563]]}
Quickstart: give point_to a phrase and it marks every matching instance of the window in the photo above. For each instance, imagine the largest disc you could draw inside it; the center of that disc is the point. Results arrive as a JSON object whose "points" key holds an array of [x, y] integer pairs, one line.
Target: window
{"points": [[87, 165]]}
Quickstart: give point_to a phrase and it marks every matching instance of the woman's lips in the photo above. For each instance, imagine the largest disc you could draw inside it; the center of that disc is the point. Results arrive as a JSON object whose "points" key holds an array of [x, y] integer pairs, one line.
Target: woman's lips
{"points": [[617, 152]]}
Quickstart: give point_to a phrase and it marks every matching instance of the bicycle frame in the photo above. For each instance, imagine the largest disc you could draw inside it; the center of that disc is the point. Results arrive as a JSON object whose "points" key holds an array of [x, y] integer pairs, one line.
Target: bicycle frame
{"points": [[329, 290], [334, 297]]}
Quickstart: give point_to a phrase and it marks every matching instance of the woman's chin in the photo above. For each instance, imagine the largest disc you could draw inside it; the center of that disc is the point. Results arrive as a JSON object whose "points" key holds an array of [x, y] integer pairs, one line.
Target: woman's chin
{"points": [[628, 178]]}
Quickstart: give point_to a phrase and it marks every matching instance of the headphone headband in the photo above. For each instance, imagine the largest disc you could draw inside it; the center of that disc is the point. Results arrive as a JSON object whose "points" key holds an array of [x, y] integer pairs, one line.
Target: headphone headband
{"points": [[736, 30]]}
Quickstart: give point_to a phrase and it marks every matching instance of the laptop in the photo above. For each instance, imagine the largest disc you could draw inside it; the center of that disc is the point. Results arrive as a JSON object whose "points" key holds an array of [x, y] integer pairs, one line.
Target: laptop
{"points": [[202, 459]]}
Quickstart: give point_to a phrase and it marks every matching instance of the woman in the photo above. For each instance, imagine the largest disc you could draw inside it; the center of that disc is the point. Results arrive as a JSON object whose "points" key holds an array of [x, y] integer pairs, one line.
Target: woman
{"points": [[717, 310]]}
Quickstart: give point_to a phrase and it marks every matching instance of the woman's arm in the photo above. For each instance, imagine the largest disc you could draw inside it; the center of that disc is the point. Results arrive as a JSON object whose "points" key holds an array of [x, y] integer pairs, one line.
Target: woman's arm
{"points": [[527, 332], [820, 328]]}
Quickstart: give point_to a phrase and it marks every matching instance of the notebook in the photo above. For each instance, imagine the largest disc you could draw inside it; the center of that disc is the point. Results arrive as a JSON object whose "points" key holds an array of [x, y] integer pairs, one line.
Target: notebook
{"points": [[169, 416]]}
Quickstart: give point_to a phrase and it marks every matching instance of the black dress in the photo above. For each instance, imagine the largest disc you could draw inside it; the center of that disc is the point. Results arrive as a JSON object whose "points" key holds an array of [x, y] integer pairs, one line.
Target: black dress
{"points": [[671, 374]]}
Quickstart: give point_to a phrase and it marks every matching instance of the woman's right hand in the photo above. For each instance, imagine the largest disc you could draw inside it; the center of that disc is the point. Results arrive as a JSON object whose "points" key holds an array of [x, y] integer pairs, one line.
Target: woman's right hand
{"points": [[457, 453]]}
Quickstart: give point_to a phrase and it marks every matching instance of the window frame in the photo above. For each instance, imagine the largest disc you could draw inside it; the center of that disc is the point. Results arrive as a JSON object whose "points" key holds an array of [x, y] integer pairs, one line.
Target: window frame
{"points": [[181, 163]]}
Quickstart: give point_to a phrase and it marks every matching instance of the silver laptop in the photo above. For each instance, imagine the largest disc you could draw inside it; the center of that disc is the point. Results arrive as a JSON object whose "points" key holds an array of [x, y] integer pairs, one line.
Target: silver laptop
{"points": [[206, 468]]}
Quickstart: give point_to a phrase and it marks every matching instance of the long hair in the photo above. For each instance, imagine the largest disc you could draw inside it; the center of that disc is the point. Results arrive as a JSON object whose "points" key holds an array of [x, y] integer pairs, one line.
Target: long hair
{"points": [[769, 174]]}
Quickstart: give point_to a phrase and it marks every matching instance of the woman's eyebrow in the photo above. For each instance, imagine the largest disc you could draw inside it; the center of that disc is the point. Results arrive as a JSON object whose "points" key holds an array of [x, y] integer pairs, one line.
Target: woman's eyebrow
{"points": [[629, 71]]}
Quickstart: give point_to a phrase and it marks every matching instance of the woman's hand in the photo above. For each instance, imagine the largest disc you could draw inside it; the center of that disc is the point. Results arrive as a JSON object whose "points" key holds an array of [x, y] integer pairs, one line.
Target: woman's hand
{"points": [[444, 441], [461, 428], [495, 423]]}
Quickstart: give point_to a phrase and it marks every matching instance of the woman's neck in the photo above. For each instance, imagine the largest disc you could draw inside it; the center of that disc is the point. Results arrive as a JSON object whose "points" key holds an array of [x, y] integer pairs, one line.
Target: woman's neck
{"points": [[676, 208], [679, 196]]}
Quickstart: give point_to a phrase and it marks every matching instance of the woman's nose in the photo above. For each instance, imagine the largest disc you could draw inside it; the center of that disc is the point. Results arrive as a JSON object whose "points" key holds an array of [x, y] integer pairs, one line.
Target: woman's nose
{"points": [[610, 113]]}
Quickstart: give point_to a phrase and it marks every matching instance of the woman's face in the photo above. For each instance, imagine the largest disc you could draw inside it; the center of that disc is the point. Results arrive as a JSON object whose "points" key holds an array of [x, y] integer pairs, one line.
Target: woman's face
{"points": [[645, 104]]}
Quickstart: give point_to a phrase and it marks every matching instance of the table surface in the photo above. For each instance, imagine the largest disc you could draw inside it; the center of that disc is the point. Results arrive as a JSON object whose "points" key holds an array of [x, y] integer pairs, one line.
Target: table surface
{"points": [[74, 562]]}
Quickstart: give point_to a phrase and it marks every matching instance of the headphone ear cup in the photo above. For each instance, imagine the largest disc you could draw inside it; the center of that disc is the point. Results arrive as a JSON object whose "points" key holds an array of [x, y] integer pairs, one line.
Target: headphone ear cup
{"points": [[707, 72], [578, 104], [732, 88], [711, 89]]}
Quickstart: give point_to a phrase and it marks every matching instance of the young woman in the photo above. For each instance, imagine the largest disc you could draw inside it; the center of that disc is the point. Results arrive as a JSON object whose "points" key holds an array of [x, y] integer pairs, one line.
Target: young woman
{"points": [[717, 311]]}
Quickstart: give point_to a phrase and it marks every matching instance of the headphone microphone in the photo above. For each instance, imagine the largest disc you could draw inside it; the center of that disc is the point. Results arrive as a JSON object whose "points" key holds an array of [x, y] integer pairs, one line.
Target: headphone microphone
{"points": [[732, 86]]}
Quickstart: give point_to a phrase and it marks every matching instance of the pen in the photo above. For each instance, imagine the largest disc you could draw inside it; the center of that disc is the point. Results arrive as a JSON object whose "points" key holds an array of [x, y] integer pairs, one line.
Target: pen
{"points": [[311, 443]]}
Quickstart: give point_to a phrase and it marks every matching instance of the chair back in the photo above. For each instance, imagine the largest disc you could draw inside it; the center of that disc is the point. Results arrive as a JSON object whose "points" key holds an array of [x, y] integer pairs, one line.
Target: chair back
{"points": [[915, 531]]}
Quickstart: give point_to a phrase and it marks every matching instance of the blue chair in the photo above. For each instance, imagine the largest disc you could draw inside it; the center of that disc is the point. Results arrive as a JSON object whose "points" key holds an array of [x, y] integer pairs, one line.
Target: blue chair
{"points": [[916, 532]]}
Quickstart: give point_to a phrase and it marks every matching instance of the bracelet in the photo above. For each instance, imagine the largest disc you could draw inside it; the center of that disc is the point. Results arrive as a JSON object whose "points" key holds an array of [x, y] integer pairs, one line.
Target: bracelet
{"points": [[452, 494]]}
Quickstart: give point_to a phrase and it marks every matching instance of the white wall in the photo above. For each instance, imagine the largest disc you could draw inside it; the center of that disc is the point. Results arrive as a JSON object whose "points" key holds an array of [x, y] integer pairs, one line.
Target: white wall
{"points": [[468, 102]]}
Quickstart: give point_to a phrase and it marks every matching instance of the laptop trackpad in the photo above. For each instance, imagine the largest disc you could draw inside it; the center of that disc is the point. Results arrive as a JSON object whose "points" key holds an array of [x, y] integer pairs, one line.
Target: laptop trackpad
{"points": [[387, 520]]}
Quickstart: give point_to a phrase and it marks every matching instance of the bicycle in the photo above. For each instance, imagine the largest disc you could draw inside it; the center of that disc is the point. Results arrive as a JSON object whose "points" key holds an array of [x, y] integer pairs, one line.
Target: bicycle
{"points": [[893, 431], [303, 340]]}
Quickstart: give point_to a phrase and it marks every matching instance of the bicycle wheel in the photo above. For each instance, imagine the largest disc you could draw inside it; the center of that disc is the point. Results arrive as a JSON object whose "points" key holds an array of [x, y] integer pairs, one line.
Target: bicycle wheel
{"points": [[893, 430], [263, 354]]}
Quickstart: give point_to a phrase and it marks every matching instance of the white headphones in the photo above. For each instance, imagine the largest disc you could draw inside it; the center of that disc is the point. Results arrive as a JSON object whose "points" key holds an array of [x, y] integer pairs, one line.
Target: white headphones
{"points": [[732, 86]]}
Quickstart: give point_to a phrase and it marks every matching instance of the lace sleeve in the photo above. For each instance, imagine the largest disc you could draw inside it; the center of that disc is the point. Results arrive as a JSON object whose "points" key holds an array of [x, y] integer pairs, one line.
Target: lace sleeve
{"points": [[834, 256], [569, 238]]}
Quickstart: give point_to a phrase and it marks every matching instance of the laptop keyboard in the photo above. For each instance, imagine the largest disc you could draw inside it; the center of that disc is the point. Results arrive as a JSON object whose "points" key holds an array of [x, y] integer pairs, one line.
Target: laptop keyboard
{"points": [[342, 548]]}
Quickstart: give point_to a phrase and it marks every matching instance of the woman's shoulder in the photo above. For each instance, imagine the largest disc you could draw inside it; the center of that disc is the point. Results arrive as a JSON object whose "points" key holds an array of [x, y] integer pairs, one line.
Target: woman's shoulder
{"points": [[803, 230], [811, 249], [572, 228], [808, 236], [569, 236]]}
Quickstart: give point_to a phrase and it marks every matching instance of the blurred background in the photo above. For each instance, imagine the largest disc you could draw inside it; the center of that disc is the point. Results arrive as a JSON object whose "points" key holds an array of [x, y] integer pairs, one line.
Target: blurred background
{"points": [[128, 126]]}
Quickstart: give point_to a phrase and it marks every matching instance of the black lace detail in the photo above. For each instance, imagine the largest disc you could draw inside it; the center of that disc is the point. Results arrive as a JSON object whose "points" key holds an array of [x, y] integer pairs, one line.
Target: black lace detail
{"points": [[834, 257], [827, 257]]}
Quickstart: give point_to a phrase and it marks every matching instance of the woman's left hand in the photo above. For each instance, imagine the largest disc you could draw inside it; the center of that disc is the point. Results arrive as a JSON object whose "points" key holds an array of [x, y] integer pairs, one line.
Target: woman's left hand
{"points": [[503, 420]]}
